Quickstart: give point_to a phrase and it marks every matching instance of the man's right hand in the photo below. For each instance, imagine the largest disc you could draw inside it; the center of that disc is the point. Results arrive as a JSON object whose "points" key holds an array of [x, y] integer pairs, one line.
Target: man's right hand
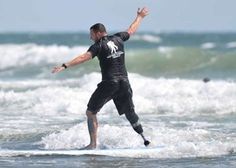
{"points": [[142, 12]]}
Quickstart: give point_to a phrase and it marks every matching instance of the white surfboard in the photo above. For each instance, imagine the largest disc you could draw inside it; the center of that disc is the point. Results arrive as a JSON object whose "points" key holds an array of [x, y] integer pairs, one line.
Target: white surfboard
{"points": [[143, 152]]}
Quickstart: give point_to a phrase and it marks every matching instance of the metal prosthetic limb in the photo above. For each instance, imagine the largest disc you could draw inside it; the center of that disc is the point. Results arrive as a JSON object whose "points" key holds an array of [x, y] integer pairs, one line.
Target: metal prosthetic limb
{"points": [[133, 119]]}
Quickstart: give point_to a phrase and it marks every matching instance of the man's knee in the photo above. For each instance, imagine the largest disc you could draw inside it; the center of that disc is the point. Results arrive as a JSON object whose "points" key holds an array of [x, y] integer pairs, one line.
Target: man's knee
{"points": [[134, 121]]}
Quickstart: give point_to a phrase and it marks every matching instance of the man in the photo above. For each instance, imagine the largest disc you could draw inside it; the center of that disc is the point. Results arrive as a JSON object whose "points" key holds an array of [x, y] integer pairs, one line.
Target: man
{"points": [[114, 84]]}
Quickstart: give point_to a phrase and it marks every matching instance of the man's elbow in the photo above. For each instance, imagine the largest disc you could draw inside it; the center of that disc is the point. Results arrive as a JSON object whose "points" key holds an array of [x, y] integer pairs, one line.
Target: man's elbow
{"points": [[131, 32], [87, 56]]}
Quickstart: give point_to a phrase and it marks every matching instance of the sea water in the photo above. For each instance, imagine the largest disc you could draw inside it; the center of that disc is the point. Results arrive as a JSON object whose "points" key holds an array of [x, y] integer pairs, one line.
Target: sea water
{"points": [[192, 121]]}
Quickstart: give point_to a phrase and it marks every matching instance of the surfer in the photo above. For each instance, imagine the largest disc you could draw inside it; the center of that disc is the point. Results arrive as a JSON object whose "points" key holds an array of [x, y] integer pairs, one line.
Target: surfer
{"points": [[115, 83]]}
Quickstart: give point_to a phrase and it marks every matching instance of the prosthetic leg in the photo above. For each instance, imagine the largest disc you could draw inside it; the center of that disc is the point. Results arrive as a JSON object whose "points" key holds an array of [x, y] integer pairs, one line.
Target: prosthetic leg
{"points": [[133, 119]]}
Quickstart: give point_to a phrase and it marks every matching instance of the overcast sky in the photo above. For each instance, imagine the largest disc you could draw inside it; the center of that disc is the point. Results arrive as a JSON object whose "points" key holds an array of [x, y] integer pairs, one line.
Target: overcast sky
{"points": [[79, 15]]}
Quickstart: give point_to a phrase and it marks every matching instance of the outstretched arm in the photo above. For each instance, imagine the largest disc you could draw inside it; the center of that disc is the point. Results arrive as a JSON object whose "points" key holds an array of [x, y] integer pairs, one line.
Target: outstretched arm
{"points": [[78, 60], [140, 15]]}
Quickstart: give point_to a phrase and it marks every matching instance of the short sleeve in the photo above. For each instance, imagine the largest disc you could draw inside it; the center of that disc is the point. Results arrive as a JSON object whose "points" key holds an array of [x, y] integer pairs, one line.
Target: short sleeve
{"points": [[123, 35], [94, 49]]}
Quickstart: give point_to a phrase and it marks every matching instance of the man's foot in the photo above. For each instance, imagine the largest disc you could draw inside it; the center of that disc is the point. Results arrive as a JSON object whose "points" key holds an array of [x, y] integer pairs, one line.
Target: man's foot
{"points": [[89, 147]]}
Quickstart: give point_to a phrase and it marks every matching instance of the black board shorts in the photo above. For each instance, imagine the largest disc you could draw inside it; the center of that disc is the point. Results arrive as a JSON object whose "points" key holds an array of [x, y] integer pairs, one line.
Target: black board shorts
{"points": [[118, 90]]}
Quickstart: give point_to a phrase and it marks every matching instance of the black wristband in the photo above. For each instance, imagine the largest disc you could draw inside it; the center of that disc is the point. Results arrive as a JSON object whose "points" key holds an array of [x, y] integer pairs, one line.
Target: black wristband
{"points": [[64, 65]]}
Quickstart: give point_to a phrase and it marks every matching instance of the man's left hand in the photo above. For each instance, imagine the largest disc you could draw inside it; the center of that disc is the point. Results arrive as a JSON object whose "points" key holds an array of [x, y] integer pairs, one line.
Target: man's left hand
{"points": [[58, 69]]}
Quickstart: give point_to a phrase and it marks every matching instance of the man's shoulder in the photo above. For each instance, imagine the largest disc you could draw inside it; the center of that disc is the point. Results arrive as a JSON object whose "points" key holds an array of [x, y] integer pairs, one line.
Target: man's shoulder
{"points": [[124, 35], [120, 33]]}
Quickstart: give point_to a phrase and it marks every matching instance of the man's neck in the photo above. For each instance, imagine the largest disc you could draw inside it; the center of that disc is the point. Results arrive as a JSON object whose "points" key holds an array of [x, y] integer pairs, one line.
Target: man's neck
{"points": [[102, 35]]}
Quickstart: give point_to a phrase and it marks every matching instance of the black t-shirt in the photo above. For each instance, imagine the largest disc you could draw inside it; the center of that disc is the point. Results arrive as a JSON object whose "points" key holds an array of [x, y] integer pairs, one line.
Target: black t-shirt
{"points": [[111, 55]]}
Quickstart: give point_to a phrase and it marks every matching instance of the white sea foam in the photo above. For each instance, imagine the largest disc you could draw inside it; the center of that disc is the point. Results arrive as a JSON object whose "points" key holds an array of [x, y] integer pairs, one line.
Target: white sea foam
{"points": [[208, 45], [189, 97], [168, 96], [231, 44], [47, 105], [174, 143], [148, 38], [13, 55], [164, 49]]}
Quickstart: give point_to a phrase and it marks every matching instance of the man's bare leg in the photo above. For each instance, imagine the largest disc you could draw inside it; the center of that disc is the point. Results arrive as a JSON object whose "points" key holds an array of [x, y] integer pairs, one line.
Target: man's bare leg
{"points": [[92, 128]]}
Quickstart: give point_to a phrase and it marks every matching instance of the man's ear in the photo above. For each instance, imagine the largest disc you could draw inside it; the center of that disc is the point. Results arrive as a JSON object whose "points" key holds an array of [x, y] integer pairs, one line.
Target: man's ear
{"points": [[100, 33]]}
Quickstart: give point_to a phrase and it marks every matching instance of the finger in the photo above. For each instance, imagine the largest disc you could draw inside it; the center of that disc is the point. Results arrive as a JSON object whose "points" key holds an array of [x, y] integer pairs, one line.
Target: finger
{"points": [[55, 69], [145, 9]]}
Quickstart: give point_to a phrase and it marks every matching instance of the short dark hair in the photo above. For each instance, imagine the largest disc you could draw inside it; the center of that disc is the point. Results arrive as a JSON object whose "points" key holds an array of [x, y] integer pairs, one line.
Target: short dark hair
{"points": [[98, 27]]}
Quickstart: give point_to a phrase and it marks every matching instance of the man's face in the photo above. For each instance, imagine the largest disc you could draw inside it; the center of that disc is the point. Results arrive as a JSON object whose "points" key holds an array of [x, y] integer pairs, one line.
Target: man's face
{"points": [[94, 36]]}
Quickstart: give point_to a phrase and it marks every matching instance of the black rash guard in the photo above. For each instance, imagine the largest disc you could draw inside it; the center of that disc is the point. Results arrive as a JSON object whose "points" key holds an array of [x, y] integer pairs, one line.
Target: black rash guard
{"points": [[111, 55]]}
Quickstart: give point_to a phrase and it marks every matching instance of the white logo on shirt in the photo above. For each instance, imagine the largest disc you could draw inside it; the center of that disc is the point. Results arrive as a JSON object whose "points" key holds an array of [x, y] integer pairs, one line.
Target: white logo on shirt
{"points": [[113, 48]]}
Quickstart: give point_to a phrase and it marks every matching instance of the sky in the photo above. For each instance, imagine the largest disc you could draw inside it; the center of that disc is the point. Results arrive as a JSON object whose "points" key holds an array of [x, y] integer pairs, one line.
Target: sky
{"points": [[78, 15]]}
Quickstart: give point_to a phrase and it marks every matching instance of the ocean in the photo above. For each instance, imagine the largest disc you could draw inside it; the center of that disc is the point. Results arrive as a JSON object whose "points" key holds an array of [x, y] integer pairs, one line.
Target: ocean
{"points": [[184, 87]]}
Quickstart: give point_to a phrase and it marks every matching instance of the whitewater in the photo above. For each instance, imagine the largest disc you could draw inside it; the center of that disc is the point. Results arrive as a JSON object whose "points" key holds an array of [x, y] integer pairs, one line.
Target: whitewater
{"points": [[185, 118]]}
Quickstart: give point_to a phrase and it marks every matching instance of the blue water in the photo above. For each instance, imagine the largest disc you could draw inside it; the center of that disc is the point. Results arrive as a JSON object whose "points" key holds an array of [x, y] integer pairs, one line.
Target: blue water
{"points": [[107, 162], [194, 121]]}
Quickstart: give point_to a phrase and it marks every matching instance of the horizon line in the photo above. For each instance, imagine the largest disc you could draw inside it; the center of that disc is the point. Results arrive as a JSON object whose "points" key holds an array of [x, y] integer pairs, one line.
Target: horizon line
{"points": [[140, 32]]}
